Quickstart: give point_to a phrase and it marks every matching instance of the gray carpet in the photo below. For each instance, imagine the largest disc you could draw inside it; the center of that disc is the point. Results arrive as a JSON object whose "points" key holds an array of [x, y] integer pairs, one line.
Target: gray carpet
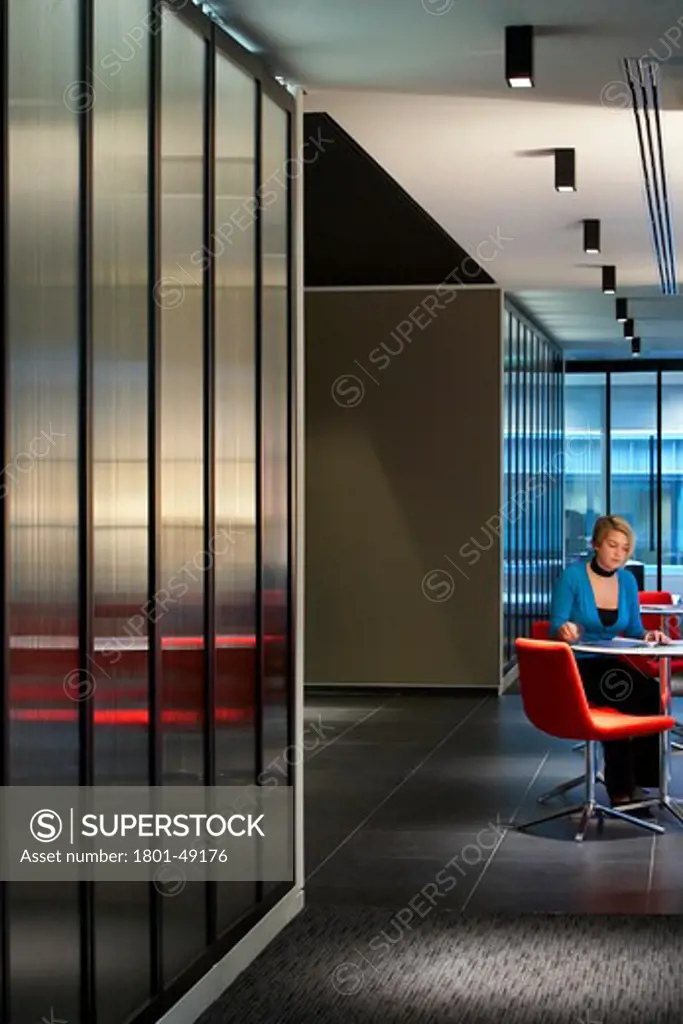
{"points": [[361, 965]]}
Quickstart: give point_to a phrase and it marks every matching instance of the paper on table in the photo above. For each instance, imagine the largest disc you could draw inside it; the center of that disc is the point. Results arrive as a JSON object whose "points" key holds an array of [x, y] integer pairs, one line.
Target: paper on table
{"points": [[630, 641]]}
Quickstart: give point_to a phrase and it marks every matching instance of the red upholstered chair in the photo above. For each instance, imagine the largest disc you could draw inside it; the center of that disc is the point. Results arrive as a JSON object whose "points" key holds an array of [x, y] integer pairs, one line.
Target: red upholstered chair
{"points": [[554, 701], [673, 628], [540, 630], [672, 625]]}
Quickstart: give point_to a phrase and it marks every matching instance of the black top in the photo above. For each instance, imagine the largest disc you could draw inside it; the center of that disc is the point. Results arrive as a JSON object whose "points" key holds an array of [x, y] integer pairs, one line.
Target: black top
{"points": [[608, 616]]}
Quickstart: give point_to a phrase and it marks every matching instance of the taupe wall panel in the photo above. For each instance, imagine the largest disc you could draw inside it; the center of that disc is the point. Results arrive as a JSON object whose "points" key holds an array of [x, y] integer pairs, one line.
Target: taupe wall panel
{"points": [[398, 479]]}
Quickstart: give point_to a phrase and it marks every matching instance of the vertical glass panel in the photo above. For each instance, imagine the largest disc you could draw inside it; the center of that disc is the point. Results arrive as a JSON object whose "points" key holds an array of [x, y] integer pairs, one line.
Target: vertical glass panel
{"points": [[41, 479], [562, 446], [183, 559], [506, 491], [584, 459], [535, 470], [120, 474], [235, 468], [634, 463], [552, 471], [275, 395], [526, 471], [672, 481], [514, 486]]}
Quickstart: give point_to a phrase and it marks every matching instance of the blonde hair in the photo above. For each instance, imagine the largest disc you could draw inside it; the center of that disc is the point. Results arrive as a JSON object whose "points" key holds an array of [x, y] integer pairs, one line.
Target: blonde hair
{"points": [[605, 524]]}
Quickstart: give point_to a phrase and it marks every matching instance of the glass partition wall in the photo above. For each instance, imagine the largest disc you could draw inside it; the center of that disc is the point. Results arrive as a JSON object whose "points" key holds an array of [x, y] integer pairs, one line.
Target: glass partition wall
{"points": [[629, 420], [533, 472], [147, 527]]}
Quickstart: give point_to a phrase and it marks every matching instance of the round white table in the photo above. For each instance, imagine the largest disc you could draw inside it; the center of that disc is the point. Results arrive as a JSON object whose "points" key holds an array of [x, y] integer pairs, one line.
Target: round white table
{"points": [[664, 653], [666, 611]]}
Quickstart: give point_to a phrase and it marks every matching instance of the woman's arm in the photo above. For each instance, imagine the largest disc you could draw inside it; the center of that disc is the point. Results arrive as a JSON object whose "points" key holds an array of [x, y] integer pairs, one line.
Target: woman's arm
{"points": [[562, 602], [635, 626]]}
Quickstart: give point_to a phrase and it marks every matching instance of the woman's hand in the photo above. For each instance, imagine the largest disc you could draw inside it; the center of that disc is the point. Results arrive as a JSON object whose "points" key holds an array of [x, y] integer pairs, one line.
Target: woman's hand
{"points": [[655, 636], [568, 631]]}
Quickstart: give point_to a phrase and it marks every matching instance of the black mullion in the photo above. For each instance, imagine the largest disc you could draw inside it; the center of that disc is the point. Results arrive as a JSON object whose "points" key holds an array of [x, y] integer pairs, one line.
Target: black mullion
{"points": [[528, 506], [560, 450], [209, 453], [562, 436], [558, 468], [507, 402], [538, 571], [529, 503], [525, 471], [517, 513], [557, 462], [522, 479], [4, 455], [88, 1002], [258, 370], [549, 470], [560, 453], [154, 749], [291, 476], [536, 506], [659, 480], [608, 442]]}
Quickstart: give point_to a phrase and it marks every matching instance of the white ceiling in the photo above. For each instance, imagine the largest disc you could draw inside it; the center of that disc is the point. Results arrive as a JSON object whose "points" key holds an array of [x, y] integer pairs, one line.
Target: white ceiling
{"points": [[420, 85]]}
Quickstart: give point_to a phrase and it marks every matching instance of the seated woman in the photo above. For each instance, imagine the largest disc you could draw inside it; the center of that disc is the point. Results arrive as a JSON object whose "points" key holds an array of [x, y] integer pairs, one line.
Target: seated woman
{"points": [[597, 601]]}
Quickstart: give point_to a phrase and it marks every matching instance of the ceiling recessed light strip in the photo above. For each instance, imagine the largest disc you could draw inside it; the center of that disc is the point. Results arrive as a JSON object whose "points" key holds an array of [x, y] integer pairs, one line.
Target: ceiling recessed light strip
{"points": [[641, 79], [629, 329], [622, 310], [635, 347]]}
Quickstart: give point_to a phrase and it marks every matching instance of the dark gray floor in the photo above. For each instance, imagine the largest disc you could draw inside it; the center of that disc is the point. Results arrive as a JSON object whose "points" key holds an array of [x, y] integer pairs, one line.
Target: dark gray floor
{"points": [[401, 785], [422, 908], [351, 965]]}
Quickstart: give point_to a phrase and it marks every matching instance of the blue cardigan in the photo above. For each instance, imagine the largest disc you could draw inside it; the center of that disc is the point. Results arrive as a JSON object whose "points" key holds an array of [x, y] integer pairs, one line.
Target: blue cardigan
{"points": [[574, 601]]}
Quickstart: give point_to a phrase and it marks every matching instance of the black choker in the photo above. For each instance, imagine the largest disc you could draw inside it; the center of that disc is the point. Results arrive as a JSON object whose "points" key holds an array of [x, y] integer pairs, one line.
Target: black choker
{"points": [[598, 570]]}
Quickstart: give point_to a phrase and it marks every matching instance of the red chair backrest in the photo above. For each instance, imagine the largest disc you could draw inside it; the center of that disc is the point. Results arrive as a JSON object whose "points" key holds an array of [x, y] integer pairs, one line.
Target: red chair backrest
{"points": [[540, 630], [552, 693], [673, 627]]}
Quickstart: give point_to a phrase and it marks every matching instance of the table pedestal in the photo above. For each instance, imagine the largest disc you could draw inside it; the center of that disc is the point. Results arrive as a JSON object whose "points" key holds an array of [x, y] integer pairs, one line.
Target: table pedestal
{"points": [[664, 799]]}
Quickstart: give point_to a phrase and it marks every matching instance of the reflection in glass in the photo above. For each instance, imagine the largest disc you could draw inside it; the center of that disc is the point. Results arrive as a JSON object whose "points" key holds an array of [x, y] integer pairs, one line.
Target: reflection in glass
{"points": [[275, 448], [120, 470], [183, 558], [585, 477], [234, 249], [532, 478], [633, 444], [672, 482], [507, 443], [49, 191], [41, 477]]}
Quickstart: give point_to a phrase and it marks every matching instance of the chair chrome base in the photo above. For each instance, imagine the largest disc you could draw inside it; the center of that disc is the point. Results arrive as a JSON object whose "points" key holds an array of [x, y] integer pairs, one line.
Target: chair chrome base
{"points": [[666, 802], [564, 787], [590, 808], [593, 809]]}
